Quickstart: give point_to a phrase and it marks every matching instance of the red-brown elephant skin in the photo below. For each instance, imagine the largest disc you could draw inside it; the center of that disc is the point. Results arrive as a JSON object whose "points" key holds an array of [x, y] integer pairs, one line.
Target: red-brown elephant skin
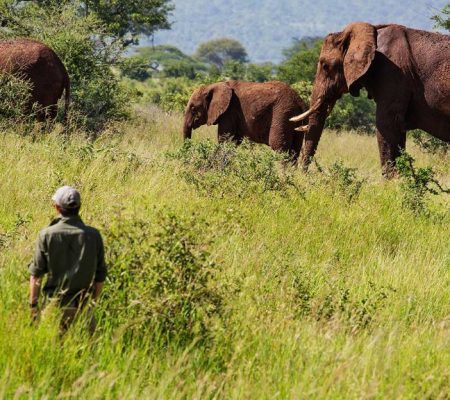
{"points": [[257, 111], [37, 63], [406, 71]]}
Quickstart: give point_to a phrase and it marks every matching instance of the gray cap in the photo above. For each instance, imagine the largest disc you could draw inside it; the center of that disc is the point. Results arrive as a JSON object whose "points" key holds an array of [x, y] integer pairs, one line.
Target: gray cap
{"points": [[67, 197]]}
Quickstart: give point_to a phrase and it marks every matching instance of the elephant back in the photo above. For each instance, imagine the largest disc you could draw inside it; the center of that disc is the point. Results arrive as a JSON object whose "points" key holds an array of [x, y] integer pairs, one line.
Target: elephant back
{"points": [[19, 54]]}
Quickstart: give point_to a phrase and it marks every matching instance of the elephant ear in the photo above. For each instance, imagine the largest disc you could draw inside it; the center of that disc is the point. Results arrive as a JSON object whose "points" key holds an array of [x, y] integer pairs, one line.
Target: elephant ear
{"points": [[360, 44], [219, 98]]}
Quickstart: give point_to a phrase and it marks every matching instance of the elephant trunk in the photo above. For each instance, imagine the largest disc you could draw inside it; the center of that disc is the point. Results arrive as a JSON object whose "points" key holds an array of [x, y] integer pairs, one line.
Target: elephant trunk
{"points": [[187, 129], [312, 137]]}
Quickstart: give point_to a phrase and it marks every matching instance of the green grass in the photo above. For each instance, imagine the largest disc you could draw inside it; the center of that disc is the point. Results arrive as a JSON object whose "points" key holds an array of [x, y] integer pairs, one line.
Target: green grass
{"points": [[321, 297]]}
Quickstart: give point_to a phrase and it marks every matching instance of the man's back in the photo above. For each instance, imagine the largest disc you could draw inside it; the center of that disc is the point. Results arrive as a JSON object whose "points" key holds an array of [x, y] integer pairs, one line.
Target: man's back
{"points": [[72, 254]]}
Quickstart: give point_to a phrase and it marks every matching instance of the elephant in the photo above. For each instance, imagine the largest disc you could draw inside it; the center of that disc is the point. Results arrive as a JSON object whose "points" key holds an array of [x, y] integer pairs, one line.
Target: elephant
{"points": [[37, 63], [258, 111], [407, 73]]}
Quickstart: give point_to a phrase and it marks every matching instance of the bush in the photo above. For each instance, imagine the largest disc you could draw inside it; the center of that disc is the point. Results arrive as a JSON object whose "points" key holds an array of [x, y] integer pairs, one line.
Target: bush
{"points": [[161, 282], [88, 55], [226, 169], [428, 143], [417, 183], [348, 113], [341, 180], [353, 313], [356, 113], [15, 94], [135, 68]]}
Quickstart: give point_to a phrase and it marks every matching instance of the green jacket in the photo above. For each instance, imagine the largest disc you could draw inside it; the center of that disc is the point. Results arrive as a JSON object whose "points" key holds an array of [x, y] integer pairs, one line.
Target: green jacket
{"points": [[72, 255]]}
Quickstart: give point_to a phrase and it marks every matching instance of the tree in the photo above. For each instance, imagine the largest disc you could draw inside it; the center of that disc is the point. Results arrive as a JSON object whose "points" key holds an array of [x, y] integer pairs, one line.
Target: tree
{"points": [[171, 61], [443, 20], [128, 19], [218, 51], [123, 19], [301, 61]]}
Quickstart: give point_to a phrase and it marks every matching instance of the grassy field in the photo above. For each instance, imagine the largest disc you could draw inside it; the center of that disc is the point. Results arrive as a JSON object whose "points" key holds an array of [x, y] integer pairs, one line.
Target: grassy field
{"points": [[323, 285]]}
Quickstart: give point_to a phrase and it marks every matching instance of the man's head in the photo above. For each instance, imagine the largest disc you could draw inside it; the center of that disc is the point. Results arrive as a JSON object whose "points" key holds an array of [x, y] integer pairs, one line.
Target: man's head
{"points": [[67, 201]]}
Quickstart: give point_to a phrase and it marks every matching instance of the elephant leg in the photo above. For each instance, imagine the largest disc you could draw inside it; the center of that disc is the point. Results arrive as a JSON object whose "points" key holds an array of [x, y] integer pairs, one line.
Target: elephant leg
{"points": [[227, 132], [284, 143], [390, 146], [391, 135], [297, 141]]}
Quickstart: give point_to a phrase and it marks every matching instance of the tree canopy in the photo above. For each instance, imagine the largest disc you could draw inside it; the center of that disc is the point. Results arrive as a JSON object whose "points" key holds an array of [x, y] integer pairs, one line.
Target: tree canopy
{"points": [[301, 60], [123, 19], [218, 51]]}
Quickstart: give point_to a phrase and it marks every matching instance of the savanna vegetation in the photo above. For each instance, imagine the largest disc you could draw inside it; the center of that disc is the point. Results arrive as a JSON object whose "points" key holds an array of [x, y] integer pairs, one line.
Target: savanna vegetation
{"points": [[231, 273]]}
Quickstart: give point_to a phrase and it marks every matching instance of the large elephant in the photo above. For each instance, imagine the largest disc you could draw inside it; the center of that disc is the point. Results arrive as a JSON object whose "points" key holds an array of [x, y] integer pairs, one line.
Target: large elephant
{"points": [[406, 71], [37, 63], [258, 111]]}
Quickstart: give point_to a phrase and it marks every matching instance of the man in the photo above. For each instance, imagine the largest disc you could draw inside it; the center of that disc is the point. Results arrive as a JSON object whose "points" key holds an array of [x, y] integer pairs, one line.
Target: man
{"points": [[72, 255]]}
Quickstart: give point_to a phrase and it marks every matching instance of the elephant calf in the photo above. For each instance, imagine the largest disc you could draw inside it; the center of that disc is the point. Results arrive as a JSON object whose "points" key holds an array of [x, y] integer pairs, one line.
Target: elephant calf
{"points": [[258, 111]]}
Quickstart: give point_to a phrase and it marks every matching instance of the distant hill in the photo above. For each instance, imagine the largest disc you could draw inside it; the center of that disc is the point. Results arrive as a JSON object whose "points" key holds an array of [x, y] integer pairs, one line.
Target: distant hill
{"points": [[265, 27]]}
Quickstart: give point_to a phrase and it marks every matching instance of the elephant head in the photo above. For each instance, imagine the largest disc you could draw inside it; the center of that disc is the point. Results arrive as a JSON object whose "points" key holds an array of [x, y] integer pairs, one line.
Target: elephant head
{"points": [[205, 106], [345, 58]]}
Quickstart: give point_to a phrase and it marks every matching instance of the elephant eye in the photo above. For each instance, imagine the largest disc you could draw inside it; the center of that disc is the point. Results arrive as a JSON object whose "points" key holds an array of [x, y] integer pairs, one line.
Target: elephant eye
{"points": [[325, 66]]}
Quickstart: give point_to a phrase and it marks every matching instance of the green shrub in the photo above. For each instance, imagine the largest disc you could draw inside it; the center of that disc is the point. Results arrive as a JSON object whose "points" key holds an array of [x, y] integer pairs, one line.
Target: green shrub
{"points": [[161, 282], [304, 89], [357, 113], [135, 68], [349, 113], [226, 169], [15, 94], [88, 54], [341, 180], [417, 183], [351, 312], [428, 143]]}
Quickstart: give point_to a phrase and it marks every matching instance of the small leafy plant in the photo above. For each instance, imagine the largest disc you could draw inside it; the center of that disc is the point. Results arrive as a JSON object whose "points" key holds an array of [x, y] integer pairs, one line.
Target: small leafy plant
{"points": [[417, 184], [428, 143], [226, 169], [161, 281], [342, 180]]}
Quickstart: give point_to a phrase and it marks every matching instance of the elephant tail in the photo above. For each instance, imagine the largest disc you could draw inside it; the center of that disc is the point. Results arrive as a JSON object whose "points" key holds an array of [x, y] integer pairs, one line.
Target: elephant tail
{"points": [[66, 96]]}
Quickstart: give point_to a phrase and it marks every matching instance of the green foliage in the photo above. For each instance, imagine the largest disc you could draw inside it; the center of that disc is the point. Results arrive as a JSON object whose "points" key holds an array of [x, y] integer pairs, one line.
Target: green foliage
{"points": [[428, 143], [135, 68], [443, 19], [357, 113], [342, 180], [260, 72], [308, 286], [125, 20], [267, 28], [349, 113], [168, 61], [304, 89], [218, 51], [161, 282], [237, 70], [14, 96], [301, 61], [417, 184], [339, 306], [82, 45], [228, 170], [171, 94]]}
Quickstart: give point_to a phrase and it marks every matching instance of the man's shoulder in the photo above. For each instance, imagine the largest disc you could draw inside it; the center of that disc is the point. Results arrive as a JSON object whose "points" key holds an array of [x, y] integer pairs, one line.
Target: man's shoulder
{"points": [[92, 230], [59, 225], [52, 227]]}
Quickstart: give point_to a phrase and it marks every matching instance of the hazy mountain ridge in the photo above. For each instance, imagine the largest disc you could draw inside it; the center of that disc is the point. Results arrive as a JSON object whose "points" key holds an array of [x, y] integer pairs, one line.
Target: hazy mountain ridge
{"points": [[265, 27]]}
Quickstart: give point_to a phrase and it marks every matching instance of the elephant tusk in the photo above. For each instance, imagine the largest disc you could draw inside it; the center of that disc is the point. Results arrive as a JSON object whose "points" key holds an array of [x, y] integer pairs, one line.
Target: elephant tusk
{"points": [[302, 128], [307, 113]]}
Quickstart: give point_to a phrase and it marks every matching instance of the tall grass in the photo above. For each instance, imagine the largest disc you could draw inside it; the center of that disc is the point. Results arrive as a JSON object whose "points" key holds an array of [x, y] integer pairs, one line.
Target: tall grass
{"points": [[328, 286]]}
